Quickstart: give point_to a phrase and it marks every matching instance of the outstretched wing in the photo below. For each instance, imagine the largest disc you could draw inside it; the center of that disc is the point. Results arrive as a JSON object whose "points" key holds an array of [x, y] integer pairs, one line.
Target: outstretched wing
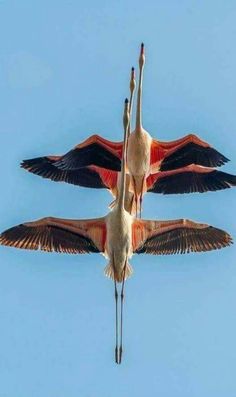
{"points": [[45, 167], [94, 151], [190, 179], [193, 153], [58, 235], [177, 237], [185, 151], [90, 176]]}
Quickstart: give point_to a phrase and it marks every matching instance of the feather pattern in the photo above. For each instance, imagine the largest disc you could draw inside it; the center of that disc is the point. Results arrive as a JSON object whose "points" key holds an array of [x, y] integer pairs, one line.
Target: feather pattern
{"points": [[183, 236], [94, 151], [193, 153], [45, 167], [190, 181], [56, 235]]}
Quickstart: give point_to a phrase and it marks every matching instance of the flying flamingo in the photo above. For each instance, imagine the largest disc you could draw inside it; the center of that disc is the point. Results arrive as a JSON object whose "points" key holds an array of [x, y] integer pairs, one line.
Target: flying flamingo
{"points": [[144, 154], [180, 166], [118, 236], [188, 179]]}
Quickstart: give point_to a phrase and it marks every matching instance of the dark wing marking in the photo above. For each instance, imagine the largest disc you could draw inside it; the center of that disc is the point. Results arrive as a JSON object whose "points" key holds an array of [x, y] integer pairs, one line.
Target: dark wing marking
{"points": [[193, 153], [92, 154], [184, 240], [190, 182], [48, 238], [45, 167]]}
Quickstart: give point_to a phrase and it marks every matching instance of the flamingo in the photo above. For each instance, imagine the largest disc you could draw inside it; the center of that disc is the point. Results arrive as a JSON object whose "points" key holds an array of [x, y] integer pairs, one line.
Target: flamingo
{"points": [[118, 236], [188, 179], [181, 166]]}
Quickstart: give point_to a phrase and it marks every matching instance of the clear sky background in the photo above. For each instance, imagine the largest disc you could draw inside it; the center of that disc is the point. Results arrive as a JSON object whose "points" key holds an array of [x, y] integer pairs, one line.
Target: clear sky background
{"points": [[64, 73]]}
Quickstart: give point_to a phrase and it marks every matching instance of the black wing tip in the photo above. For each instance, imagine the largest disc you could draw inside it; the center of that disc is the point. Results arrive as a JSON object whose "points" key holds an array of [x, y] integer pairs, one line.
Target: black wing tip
{"points": [[221, 233], [226, 160], [20, 237], [41, 166], [225, 179], [25, 164], [28, 164], [205, 156], [10, 236], [193, 182], [213, 239], [34, 162], [45, 168], [220, 159]]}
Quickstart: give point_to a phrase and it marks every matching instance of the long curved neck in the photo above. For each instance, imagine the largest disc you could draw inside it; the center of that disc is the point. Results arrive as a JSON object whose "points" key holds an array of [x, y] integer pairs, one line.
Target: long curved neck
{"points": [[130, 111], [132, 89], [139, 102], [140, 87], [121, 197]]}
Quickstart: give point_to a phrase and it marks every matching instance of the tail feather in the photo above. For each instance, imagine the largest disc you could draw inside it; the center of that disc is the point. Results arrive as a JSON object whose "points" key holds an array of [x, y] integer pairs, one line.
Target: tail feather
{"points": [[109, 272]]}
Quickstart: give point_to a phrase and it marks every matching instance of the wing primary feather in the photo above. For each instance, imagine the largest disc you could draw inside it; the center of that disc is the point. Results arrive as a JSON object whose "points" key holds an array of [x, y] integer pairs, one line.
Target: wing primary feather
{"points": [[184, 240], [46, 168], [93, 154], [47, 238], [192, 153], [192, 182]]}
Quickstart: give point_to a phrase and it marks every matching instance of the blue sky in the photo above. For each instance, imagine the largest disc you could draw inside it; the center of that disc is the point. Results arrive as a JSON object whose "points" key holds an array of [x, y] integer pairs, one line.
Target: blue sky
{"points": [[64, 73]]}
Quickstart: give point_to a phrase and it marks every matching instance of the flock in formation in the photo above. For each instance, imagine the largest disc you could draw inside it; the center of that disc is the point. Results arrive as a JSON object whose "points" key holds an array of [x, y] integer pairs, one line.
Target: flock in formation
{"points": [[128, 169]]}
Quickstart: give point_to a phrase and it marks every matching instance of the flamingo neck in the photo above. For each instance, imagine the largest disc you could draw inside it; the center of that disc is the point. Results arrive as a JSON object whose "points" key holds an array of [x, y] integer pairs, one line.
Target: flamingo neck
{"points": [[121, 198], [132, 89], [130, 112], [139, 101]]}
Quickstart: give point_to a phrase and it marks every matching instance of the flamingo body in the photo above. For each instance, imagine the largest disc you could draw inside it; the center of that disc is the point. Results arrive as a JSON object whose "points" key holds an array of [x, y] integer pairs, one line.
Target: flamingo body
{"points": [[118, 244], [138, 152]]}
